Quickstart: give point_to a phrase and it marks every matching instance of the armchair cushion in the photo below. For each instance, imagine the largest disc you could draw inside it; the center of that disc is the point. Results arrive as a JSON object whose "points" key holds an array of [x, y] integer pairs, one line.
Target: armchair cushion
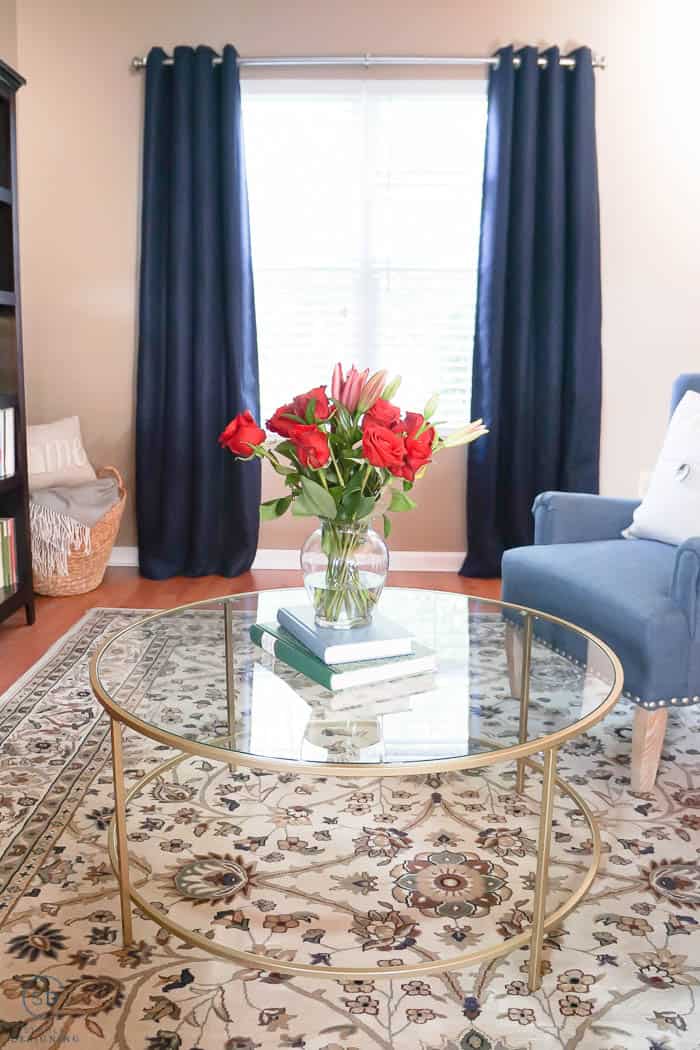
{"points": [[670, 510], [621, 591], [577, 517]]}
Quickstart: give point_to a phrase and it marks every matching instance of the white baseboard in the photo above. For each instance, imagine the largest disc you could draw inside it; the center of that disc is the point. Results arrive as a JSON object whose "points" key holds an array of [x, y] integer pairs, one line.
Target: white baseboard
{"points": [[124, 556], [409, 561], [270, 558]]}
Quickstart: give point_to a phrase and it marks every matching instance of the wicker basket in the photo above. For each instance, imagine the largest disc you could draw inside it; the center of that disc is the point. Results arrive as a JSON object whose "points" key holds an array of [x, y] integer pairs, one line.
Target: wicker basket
{"points": [[86, 571]]}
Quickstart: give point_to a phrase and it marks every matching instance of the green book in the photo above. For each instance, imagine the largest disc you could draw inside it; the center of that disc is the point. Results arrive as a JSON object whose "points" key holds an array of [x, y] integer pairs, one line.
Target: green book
{"points": [[278, 642]]}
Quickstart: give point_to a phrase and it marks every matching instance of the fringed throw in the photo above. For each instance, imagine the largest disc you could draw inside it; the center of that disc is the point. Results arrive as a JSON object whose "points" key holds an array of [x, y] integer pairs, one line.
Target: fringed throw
{"points": [[54, 536]]}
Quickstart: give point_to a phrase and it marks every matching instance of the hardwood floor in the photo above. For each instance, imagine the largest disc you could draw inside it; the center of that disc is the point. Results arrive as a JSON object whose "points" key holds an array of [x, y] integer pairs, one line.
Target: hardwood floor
{"points": [[21, 646]]}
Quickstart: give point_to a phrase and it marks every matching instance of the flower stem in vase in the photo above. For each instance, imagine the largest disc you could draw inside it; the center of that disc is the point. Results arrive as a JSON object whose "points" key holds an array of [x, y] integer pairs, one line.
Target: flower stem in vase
{"points": [[348, 587]]}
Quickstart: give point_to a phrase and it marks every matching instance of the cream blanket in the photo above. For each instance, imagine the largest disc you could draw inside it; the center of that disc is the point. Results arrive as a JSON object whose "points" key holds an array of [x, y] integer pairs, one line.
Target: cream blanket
{"points": [[61, 519]]}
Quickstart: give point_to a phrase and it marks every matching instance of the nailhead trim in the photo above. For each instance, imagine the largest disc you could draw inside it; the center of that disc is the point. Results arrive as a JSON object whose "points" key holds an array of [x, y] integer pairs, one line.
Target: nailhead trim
{"points": [[650, 705], [675, 701]]}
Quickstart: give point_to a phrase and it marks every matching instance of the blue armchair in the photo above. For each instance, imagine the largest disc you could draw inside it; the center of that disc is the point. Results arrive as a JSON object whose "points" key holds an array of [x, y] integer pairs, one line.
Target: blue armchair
{"points": [[639, 596]]}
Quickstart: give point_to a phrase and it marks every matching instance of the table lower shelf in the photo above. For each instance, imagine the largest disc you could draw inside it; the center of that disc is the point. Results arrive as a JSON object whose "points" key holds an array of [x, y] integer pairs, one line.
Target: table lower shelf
{"points": [[276, 960]]}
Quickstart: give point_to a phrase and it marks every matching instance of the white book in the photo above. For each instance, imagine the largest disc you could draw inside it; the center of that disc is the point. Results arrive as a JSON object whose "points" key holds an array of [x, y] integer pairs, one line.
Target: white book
{"points": [[9, 468], [4, 539], [7, 442]]}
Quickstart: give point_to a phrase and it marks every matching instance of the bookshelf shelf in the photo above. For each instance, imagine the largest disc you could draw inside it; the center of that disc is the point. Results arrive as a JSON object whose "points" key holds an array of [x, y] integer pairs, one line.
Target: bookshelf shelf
{"points": [[14, 491], [7, 593], [11, 600]]}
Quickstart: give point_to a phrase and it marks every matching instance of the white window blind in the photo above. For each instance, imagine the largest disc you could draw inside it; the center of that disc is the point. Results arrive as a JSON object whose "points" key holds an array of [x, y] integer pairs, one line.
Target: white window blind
{"points": [[365, 204]]}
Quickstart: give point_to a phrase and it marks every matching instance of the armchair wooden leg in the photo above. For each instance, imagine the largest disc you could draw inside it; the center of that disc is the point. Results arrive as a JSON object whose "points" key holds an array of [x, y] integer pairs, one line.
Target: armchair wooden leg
{"points": [[647, 741], [514, 657]]}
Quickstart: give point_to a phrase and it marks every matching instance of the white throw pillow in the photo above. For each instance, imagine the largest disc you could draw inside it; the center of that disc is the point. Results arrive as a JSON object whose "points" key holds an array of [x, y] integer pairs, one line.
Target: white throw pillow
{"points": [[670, 510], [56, 455]]}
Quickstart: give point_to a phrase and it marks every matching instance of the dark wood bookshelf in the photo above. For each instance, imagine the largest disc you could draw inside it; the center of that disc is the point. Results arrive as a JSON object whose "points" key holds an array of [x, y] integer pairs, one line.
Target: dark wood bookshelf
{"points": [[9, 485], [14, 491]]}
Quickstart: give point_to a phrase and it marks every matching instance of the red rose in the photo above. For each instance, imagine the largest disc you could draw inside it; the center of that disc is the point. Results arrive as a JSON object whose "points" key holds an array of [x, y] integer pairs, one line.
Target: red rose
{"points": [[411, 423], [418, 452], [281, 425], [311, 445], [418, 447], [322, 409], [383, 414], [382, 447], [241, 433]]}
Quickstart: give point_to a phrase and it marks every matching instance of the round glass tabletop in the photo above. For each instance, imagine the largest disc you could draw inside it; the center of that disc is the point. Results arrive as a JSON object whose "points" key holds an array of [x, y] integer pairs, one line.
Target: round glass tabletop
{"points": [[504, 677]]}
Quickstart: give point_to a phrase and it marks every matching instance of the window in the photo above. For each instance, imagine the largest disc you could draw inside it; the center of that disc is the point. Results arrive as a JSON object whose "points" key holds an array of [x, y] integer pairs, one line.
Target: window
{"points": [[365, 204]]}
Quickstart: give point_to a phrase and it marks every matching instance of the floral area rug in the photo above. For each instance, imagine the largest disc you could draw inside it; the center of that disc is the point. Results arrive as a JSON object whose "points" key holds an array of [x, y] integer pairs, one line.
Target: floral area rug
{"points": [[333, 872]]}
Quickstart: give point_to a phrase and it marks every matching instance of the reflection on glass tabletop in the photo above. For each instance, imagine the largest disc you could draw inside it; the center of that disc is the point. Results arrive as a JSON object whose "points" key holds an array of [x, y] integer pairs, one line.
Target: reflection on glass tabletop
{"points": [[166, 676]]}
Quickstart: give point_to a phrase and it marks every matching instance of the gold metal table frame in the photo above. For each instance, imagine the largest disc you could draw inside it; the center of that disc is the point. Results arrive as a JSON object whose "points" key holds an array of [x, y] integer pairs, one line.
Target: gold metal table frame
{"points": [[521, 753]]}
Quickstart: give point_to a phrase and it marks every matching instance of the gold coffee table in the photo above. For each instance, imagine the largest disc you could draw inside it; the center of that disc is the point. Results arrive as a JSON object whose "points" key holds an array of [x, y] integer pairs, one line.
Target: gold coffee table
{"points": [[510, 682]]}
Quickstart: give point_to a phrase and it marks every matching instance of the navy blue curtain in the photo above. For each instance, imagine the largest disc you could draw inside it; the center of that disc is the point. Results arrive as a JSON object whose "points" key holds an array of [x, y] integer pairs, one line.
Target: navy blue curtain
{"points": [[537, 355], [196, 507]]}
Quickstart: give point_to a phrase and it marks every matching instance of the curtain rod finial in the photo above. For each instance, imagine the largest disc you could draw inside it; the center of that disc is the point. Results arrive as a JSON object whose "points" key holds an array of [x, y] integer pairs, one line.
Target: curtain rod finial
{"points": [[137, 63]]}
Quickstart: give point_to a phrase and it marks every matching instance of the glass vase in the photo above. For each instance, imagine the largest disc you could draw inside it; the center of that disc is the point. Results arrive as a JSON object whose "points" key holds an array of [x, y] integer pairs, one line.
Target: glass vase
{"points": [[344, 566]]}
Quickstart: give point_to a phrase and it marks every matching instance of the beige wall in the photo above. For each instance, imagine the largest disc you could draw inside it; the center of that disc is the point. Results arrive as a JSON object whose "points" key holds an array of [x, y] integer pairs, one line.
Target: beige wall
{"points": [[80, 126], [8, 32]]}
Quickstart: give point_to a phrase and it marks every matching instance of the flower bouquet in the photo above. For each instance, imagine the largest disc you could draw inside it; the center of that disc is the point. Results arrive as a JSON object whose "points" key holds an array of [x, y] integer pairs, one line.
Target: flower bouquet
{"points": [[345, 459]]}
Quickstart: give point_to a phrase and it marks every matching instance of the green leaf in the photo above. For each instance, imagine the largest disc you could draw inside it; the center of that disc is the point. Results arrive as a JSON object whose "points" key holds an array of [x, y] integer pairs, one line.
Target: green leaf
{"points": [[286, 448], [285, 471], [345, 420], [269, 509], [355, 482], [311, 410], [400, 501], [387, 526], [301, 508], [407, 486], [354, 503], [274, 508], [319, 498], [360, 506]]}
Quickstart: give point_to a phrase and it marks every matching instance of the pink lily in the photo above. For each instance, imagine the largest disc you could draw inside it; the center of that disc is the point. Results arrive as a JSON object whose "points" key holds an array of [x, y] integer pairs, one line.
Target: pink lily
{"points": [[337, 382], [465, 435], [353, 388], [347, 392], [371, 391]]}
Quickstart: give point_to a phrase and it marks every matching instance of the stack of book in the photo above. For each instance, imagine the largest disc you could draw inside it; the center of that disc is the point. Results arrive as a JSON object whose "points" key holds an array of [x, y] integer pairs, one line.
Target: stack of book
{"points": [[8, 553], [339, 660], [7, 442]]}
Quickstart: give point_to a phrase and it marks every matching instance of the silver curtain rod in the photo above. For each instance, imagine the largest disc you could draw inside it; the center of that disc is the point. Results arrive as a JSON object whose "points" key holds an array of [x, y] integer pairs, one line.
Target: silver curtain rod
{"points": [[368, 60]]}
